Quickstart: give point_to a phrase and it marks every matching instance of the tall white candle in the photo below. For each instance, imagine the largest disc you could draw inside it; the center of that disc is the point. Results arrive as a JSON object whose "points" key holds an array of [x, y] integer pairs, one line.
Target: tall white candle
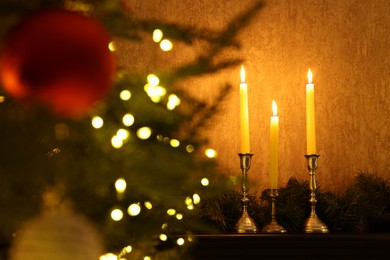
{"points": [[273, 158], [310, 116], [244, 116]]}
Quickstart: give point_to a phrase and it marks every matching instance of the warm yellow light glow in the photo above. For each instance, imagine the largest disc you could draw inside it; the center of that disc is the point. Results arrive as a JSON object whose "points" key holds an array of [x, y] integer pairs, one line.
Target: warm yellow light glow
{"points": [[205, 182], [157, 35], [147, 86], [164, 226], [148, 205], [179, 216], [210, 153], [153, 80], [309, 76], [180, 241], [160, 137], [274, 108], [123, 134], [2, 98], [116, 214], [97, 122], [112, 46], [158, 91], [163, 237], [171, 212], [108, 256], [128, 249], [190, 238], [147, 258], [190, 207], [174, 142], [116, 142], [188, 201], [125, 95], [242, 74], [134, 209], [128, 119], [144, 132], [190, 148], [120, 185], [196, 198], [173, 101], [155, 92], [155, 99], [166, 45]]}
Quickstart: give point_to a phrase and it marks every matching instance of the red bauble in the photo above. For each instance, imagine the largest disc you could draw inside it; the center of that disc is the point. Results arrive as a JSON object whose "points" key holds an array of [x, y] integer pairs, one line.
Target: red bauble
{"points": [[59, 59]]}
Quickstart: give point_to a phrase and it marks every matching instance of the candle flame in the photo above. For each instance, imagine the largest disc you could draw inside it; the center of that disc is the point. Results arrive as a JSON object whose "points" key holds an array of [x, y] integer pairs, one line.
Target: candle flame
{"points": [[310, 76], [274, 108], [242, 74]]}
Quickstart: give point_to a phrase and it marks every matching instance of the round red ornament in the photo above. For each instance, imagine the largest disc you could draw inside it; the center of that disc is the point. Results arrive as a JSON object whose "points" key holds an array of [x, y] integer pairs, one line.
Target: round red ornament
{"points": [[59, 59]]}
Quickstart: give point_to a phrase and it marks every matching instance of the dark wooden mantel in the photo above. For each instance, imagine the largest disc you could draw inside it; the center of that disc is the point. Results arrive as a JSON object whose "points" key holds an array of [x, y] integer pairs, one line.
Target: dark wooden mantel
{"points": [[292, 246]]}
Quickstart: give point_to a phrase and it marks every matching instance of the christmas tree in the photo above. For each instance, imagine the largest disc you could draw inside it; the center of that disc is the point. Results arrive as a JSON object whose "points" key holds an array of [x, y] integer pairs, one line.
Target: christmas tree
{"points": [[85, 140]]}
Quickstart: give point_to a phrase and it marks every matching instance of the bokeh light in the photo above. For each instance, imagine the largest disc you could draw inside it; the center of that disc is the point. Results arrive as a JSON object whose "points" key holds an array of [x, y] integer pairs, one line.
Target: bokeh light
{"points": [[196, 198], [174, 142], [148, 205], [180, 241], [157, 35], [163, 237], [166, 45], [116, 142], [144, 132], [205, 182], [210, 153], [190, 148], [112, 46], [120, 185], [116, 214], [128, 119], [134, 209], [125, 95], [97, 122], [171, 212]]}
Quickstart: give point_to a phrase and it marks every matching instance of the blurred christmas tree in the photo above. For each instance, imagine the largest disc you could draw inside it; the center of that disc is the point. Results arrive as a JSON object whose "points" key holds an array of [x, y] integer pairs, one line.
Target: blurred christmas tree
{"points": [[129, 158]]}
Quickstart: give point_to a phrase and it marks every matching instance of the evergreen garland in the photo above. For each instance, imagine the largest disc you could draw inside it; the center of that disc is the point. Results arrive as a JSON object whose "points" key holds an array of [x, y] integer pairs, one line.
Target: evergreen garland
{"points": [[363, 207]]}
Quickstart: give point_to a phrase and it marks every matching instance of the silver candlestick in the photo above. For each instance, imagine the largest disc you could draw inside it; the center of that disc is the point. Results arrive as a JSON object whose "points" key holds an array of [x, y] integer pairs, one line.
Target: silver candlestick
{"points": [[245, 224], [273, 226], [313, 224]]}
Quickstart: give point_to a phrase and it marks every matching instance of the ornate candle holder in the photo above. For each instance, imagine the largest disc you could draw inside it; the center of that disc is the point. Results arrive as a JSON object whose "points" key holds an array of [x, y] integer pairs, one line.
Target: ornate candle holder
{"points": [[245, 224], [273, 226], [313, 224]]}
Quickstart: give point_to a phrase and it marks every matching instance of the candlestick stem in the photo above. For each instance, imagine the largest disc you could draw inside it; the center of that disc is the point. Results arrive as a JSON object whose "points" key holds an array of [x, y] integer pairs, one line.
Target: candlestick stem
{"points": [[245, 224], [273, 226], [313, 224]]}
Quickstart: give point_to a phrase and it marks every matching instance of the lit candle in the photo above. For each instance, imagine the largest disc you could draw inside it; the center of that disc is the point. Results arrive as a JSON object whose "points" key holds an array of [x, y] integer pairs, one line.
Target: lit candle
{"points": [[310, 116], [244, 118], [273, 158]]}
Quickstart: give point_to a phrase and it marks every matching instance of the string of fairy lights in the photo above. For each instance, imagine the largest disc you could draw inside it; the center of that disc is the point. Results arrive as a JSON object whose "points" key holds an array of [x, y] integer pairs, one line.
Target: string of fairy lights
{"points": [[156, 93]]}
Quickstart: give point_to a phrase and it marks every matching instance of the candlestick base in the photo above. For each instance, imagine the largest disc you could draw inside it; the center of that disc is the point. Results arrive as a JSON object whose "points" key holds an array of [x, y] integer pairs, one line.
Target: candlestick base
{"points": [[273, 226], [246, 224], [314, 225]]}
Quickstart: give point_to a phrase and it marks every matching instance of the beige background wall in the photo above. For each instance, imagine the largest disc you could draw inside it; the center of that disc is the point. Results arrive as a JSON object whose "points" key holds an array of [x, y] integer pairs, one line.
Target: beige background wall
{"points": [[346, 43]]}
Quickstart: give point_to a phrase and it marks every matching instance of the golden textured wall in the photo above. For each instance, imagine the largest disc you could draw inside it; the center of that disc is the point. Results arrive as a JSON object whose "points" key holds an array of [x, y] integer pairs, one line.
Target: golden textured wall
{"points": [[346, 43]]}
